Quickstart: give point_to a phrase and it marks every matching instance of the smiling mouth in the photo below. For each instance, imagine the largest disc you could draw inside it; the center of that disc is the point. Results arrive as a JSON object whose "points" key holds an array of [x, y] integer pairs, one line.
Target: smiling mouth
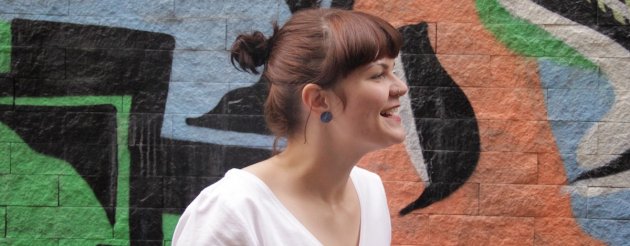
{"points": [[390, 112]]}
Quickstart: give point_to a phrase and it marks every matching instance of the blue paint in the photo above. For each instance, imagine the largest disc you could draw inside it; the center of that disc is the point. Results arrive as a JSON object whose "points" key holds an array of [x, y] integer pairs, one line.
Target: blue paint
{"points": [[583, 98], [612, 232], [600, 206], [200, 28], [576, 99]]}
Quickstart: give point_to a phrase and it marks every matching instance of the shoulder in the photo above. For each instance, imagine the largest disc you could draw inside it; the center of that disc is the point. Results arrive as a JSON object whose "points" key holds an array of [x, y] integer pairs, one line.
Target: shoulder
{"points": [[363, 176], [221, 212]]}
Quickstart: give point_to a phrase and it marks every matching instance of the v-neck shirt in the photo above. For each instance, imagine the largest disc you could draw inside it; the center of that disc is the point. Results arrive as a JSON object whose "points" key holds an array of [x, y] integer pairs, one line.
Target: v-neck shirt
{"points": [[240, 209]]}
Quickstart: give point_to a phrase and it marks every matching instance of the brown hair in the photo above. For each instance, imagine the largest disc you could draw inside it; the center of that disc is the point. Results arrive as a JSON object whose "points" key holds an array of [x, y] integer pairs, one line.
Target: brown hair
{"points": [[319, 46]]}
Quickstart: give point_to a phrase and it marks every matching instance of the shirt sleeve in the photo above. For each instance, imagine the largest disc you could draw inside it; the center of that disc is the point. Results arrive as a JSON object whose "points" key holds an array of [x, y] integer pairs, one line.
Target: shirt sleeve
{"points": [[212, 222]]}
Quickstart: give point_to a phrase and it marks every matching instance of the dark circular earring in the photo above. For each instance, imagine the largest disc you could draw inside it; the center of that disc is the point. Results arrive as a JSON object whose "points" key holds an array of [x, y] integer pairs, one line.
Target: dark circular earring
{"points": [[326, 117]]}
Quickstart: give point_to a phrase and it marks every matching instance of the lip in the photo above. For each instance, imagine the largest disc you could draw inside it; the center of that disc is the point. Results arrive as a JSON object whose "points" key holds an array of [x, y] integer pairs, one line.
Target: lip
{"points": [[392, 116]]}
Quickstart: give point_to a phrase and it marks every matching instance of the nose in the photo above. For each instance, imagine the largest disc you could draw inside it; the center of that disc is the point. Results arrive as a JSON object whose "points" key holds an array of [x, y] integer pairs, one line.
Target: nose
{"points": [[399, 87]]}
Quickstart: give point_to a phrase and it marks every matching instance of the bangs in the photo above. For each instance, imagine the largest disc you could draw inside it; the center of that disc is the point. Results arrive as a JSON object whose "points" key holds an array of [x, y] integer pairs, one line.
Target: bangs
{"points": [[355, 39]]}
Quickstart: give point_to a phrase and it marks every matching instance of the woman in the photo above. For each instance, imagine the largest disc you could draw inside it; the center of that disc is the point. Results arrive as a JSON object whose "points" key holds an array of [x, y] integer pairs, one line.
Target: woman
{"points": [[334, 97]]}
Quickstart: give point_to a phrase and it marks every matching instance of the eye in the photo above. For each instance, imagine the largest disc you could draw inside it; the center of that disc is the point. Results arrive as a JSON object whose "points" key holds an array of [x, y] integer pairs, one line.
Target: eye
{"points": [[378, 76]]}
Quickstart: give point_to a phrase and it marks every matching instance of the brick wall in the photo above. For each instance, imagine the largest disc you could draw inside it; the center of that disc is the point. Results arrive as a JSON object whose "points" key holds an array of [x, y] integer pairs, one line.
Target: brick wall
{"points": [[115, 114]]}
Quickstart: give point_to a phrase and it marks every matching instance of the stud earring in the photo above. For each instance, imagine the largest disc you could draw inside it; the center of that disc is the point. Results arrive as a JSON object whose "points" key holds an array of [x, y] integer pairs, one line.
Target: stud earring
{"points": [[326, 117]]}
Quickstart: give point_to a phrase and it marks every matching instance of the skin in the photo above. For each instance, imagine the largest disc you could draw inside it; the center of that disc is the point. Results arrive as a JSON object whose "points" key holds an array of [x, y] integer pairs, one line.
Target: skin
{"points": [[311, 178]]}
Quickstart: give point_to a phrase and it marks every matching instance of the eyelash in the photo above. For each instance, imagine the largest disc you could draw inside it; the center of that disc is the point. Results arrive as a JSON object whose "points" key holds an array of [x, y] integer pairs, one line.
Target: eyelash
{"points": [[379, 76]]}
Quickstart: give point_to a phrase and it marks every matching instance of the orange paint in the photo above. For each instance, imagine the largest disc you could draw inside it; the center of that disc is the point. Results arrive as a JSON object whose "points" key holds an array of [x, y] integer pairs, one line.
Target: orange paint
{"points": [[515, 196]]}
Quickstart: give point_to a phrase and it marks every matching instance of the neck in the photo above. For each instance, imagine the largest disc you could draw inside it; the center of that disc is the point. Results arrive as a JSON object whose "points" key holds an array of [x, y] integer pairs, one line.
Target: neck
{"points": [[317, 167]]}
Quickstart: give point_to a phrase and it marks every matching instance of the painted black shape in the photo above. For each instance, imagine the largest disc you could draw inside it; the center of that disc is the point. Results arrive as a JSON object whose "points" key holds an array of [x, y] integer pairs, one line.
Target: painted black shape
{"points": [[415, 39], [180, 191], [64, 59], [149, 160], [590, 15], [6, 87], [38, 62], [45, 131], [233, 107], [70, 59], [188, 159], [33, 33], [79, 127], [234, 157], [342, 4], [618, 165], [297, 5], [447, 127], [448, 134], [148, 192]]}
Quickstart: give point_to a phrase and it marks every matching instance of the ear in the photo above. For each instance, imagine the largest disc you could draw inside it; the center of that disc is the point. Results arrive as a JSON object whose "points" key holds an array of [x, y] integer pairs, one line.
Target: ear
{"points": [[315, 98]]}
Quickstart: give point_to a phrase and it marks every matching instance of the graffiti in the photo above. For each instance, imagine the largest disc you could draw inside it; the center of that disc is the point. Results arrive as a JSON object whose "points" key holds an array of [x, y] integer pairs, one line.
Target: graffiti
{"points": [[112, 119], [446, 122]]}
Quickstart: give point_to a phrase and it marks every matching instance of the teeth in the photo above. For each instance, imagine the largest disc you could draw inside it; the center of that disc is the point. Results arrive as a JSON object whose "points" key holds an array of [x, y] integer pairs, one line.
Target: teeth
{"points": [[390, 112]]}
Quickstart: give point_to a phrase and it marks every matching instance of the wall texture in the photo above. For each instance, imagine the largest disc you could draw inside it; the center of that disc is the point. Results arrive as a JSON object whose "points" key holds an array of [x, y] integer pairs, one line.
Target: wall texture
{"points": [[114, 114]]}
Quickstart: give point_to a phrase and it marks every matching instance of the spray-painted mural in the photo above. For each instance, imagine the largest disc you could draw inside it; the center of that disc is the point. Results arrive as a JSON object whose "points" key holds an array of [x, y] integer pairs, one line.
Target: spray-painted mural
{"points": [[115, 114]]}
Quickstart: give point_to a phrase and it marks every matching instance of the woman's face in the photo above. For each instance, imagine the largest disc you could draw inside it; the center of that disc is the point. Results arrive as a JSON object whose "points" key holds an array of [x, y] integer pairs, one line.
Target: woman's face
{"points": [[370, 117]]}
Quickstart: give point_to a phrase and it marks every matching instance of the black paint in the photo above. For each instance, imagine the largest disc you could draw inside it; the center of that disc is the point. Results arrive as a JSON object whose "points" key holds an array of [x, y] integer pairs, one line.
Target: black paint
{"points": [[445, 121], [618, 165]]}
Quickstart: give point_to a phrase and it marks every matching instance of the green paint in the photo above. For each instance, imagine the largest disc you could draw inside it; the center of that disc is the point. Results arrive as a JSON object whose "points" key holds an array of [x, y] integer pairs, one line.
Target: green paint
{"points": [[5, 47], [6, 100], [24, 160], [83, 242], [72, 193], [28, 242], [57, 222], [65, 222], [5, 160], [525, 38], [169, 221], [3, 213], [28, 190]]}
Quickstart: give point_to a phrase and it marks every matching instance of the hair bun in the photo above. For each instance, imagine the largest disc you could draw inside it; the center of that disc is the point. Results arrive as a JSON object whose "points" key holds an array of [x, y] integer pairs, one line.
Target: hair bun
{"points": [[250, 51]]}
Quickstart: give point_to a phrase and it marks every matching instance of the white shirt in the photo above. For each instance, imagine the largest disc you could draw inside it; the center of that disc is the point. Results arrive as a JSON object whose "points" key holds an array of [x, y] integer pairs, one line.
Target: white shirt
{"points": [[240, 209]]}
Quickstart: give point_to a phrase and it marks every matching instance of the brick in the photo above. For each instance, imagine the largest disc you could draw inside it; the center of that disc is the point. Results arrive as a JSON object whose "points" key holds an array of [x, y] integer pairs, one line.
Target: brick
{"points": [[507, 104], [411, 12], [613, 138], [74, 191], [154, 9], [463, 201], [81, 242], [195, 98], [551, 169], [200, 33], [146, 192], [467, 39], [196, 160], [618, 112], [612, 232], [411, 229], [24, 160], [47, 7], [261, 9], [5, 157], [516, 136], [468, 70], [527, 201], [391, 164], [481, 230], [28, 242], [614, 68], [587, 162], [29, 190], [3, 216], [506, 168], [179, 192], [565, 231], [512, 72], [57, 222], [578, 104], [401, 193], [608, 203]]}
